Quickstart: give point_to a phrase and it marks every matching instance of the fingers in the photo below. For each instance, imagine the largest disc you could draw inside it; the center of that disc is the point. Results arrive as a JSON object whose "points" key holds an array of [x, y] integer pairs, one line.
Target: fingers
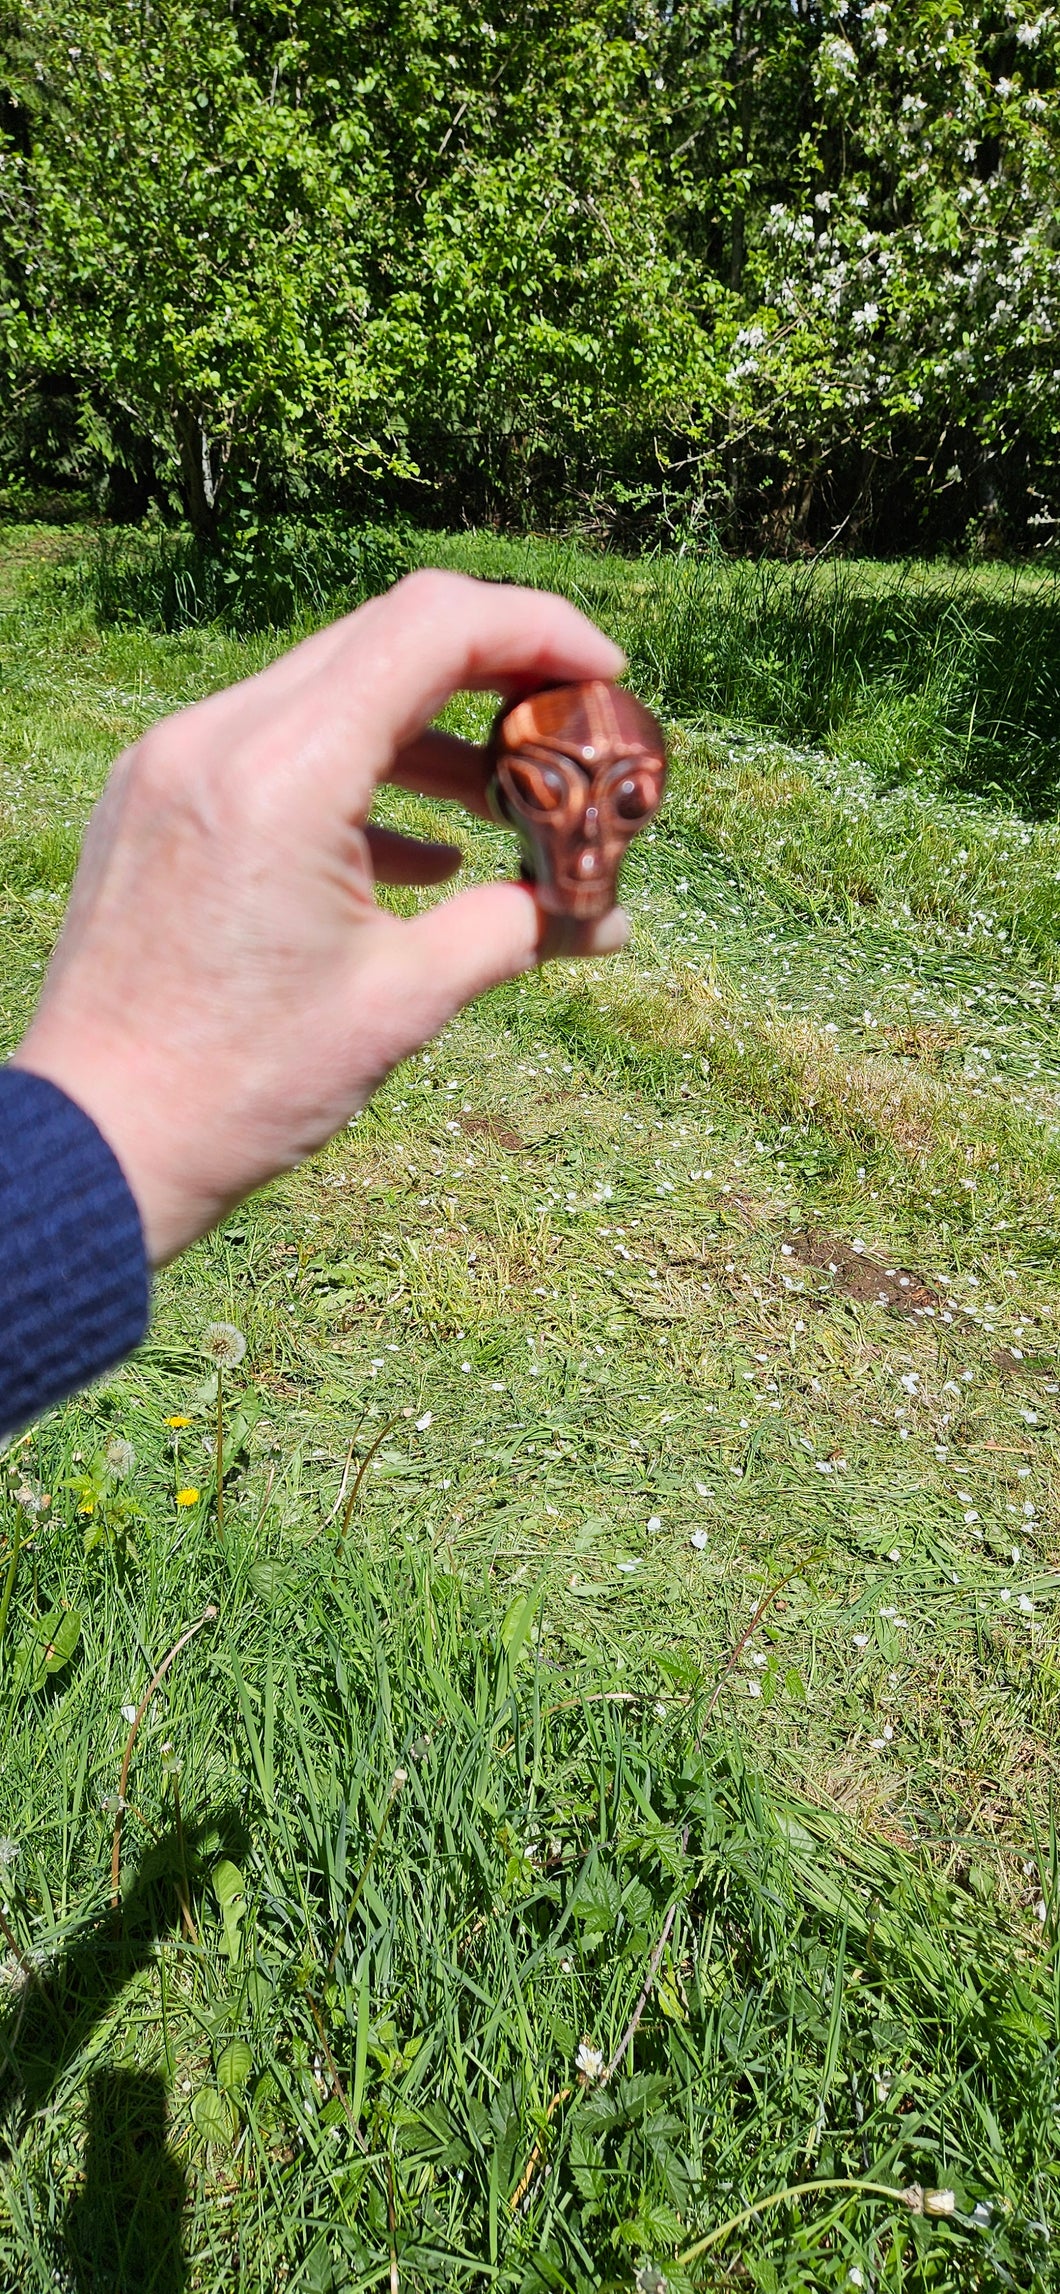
{"points": [[439, 765], [435, 963], [363, 692], [400, 859], [561, 936]]}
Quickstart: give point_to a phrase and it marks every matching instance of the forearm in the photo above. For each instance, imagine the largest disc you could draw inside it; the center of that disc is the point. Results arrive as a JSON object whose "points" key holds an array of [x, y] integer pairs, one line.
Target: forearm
{"points": [[74, 1287]]}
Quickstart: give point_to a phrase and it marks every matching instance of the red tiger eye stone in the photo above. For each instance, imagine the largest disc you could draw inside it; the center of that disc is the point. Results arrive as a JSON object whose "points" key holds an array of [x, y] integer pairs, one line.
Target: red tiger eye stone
{"points": [[576, 771]]}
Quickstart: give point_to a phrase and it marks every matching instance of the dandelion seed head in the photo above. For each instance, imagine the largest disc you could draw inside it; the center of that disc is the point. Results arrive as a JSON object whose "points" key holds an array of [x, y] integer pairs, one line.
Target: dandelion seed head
{"points": [[119, 1458], [223, 1344]]}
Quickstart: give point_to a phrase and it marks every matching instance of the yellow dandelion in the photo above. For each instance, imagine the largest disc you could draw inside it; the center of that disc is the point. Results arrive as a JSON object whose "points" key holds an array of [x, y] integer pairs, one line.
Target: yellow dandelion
{"points": [[178, 1421], [187, 1497]]}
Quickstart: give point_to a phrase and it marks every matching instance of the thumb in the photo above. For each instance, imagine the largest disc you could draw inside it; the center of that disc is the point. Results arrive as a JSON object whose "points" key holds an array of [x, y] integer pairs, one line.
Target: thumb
{"points": [[439, 961]]}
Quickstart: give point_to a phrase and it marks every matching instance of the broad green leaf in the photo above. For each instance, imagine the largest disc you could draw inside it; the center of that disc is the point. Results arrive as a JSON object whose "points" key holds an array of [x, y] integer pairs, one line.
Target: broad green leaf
{"points": [[234, 2067], [215, 2117]]}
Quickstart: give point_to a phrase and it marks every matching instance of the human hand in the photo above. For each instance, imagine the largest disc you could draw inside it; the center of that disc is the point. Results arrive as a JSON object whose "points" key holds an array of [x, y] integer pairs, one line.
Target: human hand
{"points": [[225, 992]]}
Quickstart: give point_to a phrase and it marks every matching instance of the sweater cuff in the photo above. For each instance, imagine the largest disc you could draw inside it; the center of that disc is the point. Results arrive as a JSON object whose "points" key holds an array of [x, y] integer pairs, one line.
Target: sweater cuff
{"points": [[74, 1280]]}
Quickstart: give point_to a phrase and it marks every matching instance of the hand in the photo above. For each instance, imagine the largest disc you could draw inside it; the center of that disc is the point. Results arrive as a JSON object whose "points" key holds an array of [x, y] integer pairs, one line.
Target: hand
{"points": [[225, 992]]}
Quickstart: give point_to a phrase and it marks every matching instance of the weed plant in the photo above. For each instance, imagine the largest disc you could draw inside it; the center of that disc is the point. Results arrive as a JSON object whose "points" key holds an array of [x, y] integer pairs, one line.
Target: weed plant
{"points": [[258, 574], [608, 1780]]}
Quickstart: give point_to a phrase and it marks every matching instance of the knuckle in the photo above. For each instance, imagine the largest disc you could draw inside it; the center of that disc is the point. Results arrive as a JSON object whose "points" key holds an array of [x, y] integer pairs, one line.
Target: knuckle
{"points": [[429, 589], [153, 760]]}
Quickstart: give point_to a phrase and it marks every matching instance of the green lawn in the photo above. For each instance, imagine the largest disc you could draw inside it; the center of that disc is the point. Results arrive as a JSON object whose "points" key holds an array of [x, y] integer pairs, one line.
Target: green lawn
{"points": [[702, 1587]]}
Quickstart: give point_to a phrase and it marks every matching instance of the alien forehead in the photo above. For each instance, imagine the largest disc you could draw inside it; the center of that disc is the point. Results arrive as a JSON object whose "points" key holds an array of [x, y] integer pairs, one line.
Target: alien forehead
{"points": [[584, 728]]}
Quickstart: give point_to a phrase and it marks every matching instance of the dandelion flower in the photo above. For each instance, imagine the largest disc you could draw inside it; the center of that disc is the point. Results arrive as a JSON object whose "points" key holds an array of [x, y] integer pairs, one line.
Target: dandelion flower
{"points": [[120, 1458], [223, 1344], [187, 1497], [178, 1421], [588, 2062]]}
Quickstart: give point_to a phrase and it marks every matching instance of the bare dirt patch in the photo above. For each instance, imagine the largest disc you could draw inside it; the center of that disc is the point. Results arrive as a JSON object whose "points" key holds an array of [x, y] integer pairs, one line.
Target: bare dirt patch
{"points": [[1011, 1364], [484, 1127], [866, 1280]]}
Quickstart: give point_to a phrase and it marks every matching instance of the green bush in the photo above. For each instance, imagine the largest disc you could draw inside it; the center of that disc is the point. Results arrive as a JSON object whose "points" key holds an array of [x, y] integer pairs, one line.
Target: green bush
{"points": [[259, 574]]}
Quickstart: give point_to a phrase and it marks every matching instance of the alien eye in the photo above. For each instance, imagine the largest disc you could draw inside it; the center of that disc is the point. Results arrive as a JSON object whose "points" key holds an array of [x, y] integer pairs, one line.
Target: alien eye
{"points": [[634, 796], [541, 788]]}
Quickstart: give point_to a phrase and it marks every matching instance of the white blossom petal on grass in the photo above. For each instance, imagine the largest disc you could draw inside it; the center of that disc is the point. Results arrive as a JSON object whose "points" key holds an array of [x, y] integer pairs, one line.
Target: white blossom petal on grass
{"points": [[588, 2062], [699, 1540], [128, 1712], [426, 1420], [655, 1521]]}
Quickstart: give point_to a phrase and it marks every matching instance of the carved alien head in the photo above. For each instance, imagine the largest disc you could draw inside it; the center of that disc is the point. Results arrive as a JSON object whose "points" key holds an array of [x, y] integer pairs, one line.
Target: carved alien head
{"points": [[577, 770]]}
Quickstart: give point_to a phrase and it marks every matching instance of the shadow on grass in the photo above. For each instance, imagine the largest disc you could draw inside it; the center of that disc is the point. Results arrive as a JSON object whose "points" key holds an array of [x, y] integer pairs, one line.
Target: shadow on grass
{"points": [[122, 2229]]}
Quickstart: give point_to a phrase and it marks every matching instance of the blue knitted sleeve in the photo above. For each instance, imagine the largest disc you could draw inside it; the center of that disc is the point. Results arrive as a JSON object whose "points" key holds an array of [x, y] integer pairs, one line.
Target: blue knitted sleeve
{"points": [[74, 1284]]}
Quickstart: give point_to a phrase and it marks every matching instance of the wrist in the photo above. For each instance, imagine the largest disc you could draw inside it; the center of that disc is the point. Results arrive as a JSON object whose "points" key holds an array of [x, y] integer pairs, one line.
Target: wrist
{"points": [[127, 1116]]}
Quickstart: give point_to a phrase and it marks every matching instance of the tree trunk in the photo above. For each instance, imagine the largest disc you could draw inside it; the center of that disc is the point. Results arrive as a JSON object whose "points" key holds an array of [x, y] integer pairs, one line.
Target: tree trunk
{"points": [[201, 472]]}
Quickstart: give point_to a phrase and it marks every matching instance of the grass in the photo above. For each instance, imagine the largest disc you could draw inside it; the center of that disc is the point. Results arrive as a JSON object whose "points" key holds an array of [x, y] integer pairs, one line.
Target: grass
{"points": [[702, 1586]]}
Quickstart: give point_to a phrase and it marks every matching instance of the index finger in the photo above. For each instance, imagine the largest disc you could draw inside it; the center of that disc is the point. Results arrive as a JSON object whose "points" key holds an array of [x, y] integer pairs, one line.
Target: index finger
{"points": [[346, 701], [438, 633]]}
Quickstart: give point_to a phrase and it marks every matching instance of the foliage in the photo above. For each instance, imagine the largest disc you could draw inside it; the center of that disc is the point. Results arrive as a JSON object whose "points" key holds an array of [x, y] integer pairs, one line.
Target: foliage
{"points": [[789, 271], [345, 239], [254, 575]]}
